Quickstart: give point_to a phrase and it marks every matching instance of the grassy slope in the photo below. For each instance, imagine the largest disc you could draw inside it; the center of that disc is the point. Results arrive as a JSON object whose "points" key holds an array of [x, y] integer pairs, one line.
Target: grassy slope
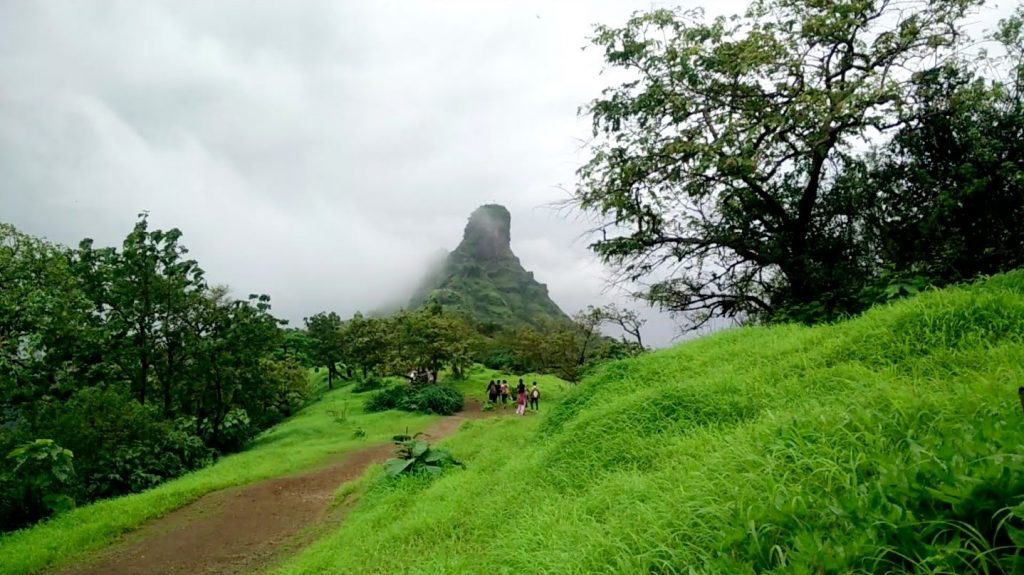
{"points": [[889, 443], [301, 442]]}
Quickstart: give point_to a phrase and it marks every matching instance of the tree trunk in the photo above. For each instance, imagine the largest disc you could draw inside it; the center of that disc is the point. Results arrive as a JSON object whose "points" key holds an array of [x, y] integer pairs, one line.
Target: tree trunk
{"points": [[167, 379], [143, 369]]}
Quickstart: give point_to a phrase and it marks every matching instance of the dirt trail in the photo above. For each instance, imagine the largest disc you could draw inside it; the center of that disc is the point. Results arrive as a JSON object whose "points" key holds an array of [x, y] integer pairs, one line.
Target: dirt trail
{"points": [[245, 529]]}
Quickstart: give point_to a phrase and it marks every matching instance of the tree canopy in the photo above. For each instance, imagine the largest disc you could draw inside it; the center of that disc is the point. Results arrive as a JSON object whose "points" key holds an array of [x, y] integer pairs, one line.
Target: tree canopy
{"points": [[127, 368], [729, 168]]}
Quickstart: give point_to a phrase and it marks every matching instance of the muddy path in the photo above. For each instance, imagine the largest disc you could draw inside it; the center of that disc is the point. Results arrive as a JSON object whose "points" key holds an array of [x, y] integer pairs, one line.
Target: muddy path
{"points": [[245, 529]]}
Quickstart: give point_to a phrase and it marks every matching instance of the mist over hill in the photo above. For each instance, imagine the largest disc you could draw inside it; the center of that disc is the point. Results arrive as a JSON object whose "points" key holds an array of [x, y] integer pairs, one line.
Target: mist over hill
{"points": [[484, 279]]}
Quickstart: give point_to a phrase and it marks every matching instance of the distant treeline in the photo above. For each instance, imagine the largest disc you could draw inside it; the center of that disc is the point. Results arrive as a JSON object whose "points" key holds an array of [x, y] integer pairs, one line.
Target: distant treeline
{"points": [[121, 368], [422, 342]]}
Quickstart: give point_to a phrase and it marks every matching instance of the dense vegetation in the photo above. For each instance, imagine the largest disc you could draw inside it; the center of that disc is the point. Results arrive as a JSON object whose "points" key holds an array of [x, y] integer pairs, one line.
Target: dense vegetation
{"points": [[335, 424], [417, 345], [730, 170], [889, 443], [120, 368]]}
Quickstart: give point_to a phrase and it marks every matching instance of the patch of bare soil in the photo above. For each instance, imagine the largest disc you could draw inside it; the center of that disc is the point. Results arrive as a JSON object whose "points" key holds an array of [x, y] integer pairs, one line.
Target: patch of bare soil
{"points": [[244, 529]]}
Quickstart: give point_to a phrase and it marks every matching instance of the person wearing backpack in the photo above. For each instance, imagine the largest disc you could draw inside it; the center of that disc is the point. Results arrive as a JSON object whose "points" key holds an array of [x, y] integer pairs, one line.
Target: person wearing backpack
{"points": [[504, 392], [535, 397], [492, 392]]}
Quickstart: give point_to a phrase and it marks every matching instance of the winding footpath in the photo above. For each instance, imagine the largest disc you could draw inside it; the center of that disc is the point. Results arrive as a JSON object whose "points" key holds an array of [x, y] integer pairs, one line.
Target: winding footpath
{"points": [[248, 528]]}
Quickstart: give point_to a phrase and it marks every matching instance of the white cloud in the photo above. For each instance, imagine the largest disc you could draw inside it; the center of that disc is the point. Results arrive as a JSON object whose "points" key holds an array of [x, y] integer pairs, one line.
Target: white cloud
{"points": [[316, 151]]}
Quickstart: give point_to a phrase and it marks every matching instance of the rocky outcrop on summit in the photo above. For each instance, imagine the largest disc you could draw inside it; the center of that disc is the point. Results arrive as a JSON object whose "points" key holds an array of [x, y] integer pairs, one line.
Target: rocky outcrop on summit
{"points": [[488, 234], [484, 279]]}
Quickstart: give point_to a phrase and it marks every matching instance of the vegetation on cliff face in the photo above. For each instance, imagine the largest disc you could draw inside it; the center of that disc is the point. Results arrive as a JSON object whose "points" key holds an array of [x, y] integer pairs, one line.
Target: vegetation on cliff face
{"points": [[483, 279]]}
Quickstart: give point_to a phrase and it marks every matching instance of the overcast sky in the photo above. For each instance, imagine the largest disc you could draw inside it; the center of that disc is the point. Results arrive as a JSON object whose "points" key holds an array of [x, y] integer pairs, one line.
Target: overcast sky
{"points": [[319, 152]]}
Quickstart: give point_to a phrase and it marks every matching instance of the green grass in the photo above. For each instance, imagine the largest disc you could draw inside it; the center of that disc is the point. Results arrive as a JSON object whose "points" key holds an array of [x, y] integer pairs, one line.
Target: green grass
{"points": [[303, 441], [892, 443]]}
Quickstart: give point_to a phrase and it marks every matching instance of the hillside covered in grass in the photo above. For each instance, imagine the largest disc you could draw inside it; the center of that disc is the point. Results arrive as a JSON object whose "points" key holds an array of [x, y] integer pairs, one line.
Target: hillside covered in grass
{"points": [[890, 443]]}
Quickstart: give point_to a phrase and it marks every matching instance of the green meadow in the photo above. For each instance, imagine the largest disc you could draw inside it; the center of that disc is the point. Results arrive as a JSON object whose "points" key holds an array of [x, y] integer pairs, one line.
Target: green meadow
{"points": [[891, 443]]}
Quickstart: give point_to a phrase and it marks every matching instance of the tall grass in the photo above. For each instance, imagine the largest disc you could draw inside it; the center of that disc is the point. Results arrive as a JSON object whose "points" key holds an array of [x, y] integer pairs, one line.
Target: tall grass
{"points": [[892, 443], [320, 431]]}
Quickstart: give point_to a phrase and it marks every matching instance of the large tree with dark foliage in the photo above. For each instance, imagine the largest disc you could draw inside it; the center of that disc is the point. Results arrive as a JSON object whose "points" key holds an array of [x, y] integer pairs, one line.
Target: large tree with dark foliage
{"points": [[946, 196], [327, 349], [718, 164]]}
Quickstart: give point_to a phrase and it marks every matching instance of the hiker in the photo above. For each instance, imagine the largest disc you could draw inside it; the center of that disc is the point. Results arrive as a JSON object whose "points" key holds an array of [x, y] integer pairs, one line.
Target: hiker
{"points": [[520, 388], [521, 398], [504, 392], [535, 397], [492, 392]]}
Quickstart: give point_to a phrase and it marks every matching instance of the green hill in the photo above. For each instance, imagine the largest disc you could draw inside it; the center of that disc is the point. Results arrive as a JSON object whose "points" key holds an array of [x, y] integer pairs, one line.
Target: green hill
{"points": [[891, 443], [485, 280]]}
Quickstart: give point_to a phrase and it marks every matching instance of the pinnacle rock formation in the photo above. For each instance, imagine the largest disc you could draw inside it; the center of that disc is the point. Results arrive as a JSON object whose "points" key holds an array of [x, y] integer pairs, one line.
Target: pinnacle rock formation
{"points": [[485, 280]]}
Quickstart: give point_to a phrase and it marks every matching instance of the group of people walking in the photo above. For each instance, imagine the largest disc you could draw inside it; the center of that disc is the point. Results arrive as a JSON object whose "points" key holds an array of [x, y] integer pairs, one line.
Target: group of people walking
{"points": [[499, 390]]}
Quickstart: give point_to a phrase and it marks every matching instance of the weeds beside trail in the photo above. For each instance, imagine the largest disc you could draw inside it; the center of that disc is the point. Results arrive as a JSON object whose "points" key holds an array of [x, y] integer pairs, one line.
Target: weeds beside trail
{"points": [[892, 443]]}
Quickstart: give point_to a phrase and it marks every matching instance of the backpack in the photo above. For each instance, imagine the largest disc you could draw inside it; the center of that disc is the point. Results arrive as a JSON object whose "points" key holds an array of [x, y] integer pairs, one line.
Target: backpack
{"points": [[535, 393]]}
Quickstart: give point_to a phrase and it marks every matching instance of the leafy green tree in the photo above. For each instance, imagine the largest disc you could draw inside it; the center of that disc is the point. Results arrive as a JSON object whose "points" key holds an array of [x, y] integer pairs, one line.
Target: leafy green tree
{"points": [[297, 345], [327, 349], [587, 327], [715, 163], [365, 342], [947, 194], [143, 294], [46, 328], [89, 337], [427, 340], [241, 333]]}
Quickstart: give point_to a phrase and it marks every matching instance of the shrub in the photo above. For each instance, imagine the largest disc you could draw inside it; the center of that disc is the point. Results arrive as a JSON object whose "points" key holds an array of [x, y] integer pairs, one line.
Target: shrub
{"points": [[38, 483], [393, 397], [425, 398], [415, 455], [119, 445], [433, 398], [369, 383], [234, 432]]}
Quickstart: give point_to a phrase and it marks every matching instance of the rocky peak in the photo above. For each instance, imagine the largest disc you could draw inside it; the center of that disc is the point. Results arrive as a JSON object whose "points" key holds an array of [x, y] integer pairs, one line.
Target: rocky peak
{"points": [[488, 233], [483, 279]]}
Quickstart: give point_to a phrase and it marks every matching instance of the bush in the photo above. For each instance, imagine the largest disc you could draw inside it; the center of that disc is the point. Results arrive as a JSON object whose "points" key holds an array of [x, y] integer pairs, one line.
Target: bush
{"points": [[393, 397], [425, 398], [119, 445], [369, 383], [235, 431], [37, 484], [284, 389], [415, 455], [433, 398]]}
